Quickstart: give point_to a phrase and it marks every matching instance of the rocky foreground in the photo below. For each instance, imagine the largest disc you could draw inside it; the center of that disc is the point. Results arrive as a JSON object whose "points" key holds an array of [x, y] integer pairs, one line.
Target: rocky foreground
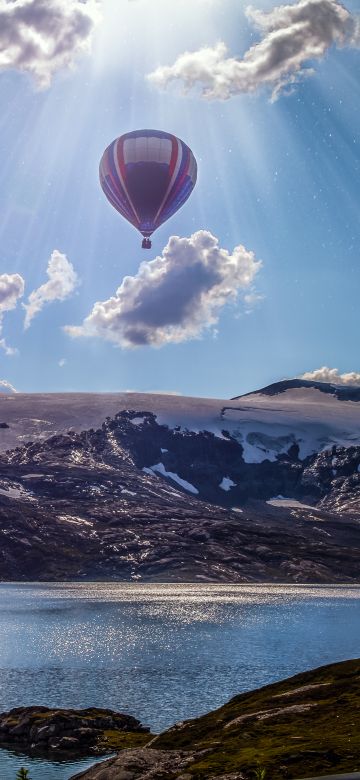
{"points": [[305, 726], [61, 733], [97, 505]]}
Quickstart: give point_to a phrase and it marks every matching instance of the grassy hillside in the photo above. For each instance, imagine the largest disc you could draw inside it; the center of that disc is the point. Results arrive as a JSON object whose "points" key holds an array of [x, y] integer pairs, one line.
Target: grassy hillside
{"points": [[303, 726]]}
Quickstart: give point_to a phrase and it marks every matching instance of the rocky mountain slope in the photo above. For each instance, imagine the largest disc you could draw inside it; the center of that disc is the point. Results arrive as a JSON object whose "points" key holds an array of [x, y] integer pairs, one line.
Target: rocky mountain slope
{"points": [[152, 494], [305, 726]]}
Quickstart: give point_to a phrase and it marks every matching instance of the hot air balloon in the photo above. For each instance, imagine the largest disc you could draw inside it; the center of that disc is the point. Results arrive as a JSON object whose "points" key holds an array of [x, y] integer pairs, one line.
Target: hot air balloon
{"points": [[147, 175]]}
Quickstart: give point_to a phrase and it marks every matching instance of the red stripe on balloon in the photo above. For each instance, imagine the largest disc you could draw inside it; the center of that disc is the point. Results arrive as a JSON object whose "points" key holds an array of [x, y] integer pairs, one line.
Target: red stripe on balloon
{"points": [[120, 157], [122, 166], [174, 156]]}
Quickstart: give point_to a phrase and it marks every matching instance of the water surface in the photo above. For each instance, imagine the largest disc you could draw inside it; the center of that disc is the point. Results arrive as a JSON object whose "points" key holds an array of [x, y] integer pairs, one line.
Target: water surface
{"points": [[161, 652]]}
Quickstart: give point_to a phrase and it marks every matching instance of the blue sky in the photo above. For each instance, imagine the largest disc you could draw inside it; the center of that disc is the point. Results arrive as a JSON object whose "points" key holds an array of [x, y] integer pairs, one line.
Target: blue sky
{"points": [[280, 178]]}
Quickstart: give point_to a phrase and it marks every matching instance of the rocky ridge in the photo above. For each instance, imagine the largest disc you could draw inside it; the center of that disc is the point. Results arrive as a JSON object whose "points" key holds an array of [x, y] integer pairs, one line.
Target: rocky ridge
{"points": [[136, 499]]}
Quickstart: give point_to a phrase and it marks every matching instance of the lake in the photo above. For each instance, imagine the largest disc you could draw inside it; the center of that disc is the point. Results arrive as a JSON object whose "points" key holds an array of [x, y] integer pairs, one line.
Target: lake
{"points": [[161, 652]]}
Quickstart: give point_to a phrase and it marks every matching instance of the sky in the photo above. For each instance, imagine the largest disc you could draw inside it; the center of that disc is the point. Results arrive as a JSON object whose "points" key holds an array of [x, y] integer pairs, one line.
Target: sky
{"points": [[268, 99]]}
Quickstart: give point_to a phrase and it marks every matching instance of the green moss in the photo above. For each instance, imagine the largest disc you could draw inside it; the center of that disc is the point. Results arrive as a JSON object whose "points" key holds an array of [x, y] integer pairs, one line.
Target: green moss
{"points": [[113, 740]]}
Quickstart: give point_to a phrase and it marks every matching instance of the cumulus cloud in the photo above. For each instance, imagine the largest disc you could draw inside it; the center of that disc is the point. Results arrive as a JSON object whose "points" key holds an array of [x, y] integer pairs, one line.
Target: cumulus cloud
{"points": [[6, 387], [11, 289], [292, 36], [42, 36], [332, 376], [61, 283], [174, 297]]}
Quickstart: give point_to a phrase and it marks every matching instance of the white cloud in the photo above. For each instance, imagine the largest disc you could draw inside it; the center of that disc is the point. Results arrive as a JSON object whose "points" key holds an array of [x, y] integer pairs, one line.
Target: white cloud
{"points": [[9, 351], [6, 387], [42, 36], [174, 297], [62, 282], [11, 289], [62, 362], [292, 37], [332, 376], [251, 299]]}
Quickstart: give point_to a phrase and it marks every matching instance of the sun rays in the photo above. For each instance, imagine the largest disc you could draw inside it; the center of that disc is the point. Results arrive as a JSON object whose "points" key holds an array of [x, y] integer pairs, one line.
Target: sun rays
{"points": [[280, 179]]}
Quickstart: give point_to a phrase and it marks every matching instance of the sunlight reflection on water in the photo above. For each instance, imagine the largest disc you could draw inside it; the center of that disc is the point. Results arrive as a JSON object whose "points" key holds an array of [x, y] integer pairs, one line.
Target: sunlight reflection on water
{"points": [[163, 652]]}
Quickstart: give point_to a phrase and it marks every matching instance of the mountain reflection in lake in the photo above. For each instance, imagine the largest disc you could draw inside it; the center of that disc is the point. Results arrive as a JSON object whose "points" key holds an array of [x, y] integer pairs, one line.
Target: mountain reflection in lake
{"points": [[161, 652]]}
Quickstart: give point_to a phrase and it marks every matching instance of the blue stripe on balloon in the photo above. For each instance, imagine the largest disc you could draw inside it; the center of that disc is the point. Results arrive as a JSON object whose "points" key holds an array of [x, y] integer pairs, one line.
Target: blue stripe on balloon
{"points": [[175, 196], [121, 206], [115, 194], [177, 202]]}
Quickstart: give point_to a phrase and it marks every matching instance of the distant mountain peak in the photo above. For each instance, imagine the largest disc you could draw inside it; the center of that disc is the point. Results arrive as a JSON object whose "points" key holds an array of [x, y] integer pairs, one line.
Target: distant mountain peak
{"points": [[341, 392]]}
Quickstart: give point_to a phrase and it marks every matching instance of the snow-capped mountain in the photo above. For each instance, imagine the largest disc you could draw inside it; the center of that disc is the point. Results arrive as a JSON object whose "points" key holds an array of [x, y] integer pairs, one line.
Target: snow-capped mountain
{"points": [[310, 416], [342, 392], [166, 487]]}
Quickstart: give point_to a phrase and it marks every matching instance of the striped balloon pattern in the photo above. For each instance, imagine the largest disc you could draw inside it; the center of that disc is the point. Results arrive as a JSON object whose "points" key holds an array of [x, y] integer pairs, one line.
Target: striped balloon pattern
{"points": [[147, 175]]}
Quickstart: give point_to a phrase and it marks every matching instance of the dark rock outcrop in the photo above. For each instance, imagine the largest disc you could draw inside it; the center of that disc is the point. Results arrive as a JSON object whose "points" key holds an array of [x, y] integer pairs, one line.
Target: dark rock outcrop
{"points": [[92, 731]]}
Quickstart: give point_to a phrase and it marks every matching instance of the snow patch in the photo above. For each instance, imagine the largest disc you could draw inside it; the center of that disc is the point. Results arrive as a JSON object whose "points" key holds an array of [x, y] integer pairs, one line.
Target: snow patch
{"points": [[74, 520], [289, 503], [14, 490], [227, 483], [33, 476], [160, 469]]}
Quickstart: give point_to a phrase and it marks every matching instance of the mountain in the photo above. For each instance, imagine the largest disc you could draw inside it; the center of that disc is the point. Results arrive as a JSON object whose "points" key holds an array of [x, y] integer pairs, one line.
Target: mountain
{"points": [[310, 415], [304, 726], [341, 392], [172, 488]]}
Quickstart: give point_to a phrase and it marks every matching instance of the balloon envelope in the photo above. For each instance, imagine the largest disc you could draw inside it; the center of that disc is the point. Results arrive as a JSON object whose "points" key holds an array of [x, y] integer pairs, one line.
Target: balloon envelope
{"points": [[147, 175]]}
